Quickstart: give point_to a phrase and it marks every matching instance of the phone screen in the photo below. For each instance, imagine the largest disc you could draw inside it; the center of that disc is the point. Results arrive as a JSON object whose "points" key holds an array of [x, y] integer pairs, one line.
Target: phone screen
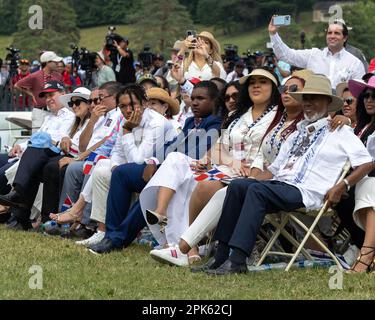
{"points": [[282, 20]]}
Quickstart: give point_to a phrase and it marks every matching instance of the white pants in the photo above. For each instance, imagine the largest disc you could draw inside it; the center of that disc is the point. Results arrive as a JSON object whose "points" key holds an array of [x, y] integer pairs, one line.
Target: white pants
{"points": [[97, 188], [207, 220], [37, 118]]}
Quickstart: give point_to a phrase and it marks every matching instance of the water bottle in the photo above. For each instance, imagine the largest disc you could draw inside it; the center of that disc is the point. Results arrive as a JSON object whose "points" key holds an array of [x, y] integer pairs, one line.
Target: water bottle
{"points": [[50, 227], [65, 230]]}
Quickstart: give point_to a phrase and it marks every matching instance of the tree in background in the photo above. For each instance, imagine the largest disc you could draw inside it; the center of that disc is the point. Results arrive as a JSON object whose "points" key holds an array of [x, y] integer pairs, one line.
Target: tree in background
{"points": [[59, 29], [10, 12], [360, 17], [159, 23]]}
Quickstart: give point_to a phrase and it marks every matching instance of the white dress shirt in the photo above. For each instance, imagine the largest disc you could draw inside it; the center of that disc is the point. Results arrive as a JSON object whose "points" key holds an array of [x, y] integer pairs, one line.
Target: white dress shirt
{"points": [[104, 126], [318, 169], [139, 145], [338, 67]]}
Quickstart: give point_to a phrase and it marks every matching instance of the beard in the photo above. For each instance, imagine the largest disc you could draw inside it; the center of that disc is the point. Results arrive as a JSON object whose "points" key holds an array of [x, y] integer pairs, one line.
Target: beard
{"points": [[315, 117]]}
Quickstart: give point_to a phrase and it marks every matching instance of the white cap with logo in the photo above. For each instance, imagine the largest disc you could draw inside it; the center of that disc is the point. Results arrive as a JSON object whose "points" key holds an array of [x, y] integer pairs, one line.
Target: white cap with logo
{"points": [[50, 56]]}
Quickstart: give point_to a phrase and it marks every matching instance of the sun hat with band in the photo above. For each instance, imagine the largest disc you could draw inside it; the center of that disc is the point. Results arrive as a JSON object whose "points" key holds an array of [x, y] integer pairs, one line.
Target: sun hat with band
{"points": [[208, 35], [80, 92], [162, 95], [318, 84], [262, 73], [356, 87]]}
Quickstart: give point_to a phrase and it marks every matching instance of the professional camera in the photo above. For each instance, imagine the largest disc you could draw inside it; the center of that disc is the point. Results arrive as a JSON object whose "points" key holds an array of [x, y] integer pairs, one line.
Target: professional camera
{"points": [[231, 52], [269, 60], [146, 57], [85, 60], [12, 59], [250, 60], [110, 39]]}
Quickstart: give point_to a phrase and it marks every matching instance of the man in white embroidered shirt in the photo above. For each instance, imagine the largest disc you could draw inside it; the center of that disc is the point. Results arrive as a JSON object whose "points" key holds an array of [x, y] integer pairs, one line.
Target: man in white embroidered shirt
{"points": [[333, 61], [303, 175]]}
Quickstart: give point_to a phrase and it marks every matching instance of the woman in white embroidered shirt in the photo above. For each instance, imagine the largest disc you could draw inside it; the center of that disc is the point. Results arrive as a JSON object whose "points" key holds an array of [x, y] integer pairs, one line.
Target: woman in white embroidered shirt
{"points": [[233, 155], [204, 61]]}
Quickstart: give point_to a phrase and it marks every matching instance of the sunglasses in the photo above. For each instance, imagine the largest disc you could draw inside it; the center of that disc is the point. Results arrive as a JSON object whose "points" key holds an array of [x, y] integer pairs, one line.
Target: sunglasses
{"points": [[291, 88], [101, 98], [76, 103], [95, 101], [367, 95], [349, 101], [234, 96]]}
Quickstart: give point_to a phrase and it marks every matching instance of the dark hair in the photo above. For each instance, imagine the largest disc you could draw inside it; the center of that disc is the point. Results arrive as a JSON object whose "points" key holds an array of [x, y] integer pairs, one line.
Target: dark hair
{"points": [[130, 90], [77, 123], [363, 118], [212, 89], [165, 84], [345, 31], [217, 79], [280, 112], [244, 102], [222, 110], [112, 87]]}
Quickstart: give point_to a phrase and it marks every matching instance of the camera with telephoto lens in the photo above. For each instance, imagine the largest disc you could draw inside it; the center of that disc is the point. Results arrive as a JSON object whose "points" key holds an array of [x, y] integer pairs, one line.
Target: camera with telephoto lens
{"points": [[269, 60], [110, 39], [146, 57], [250, 59], [83, 58], [12, 59], [231, 52]]}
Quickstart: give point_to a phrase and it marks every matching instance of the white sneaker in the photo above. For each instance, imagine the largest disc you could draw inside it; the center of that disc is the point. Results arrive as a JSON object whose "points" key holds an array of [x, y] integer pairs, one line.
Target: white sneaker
{"points": [[351, 254], [171, 256], [94, 239]]}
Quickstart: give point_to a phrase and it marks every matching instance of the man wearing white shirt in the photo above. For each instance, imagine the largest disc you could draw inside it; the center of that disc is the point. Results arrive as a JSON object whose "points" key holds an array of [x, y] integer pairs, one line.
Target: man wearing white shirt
{"points": [[337, 64], [303, 175]]}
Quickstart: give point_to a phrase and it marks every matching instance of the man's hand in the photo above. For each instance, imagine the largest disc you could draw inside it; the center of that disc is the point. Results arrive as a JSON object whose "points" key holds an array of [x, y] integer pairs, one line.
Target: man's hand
{"points": [[177, 73], [65, 144], [16, 151], [243, 170], [272, 29], [199, 167], [334, 194], [65, 161], [97, 112], [149, 172]]}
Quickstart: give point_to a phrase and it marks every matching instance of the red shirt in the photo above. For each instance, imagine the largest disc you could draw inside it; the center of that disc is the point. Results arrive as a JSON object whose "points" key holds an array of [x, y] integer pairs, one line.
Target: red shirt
{"points": [[70, 81], [35, 83], [22, 101]]}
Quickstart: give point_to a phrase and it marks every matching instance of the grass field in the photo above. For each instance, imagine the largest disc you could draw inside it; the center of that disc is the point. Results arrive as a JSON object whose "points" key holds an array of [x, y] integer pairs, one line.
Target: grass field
{"points": [[71, 272]]}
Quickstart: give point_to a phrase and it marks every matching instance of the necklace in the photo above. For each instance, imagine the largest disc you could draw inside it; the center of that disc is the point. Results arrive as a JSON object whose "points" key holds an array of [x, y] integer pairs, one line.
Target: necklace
{"points": [[302, 142]]}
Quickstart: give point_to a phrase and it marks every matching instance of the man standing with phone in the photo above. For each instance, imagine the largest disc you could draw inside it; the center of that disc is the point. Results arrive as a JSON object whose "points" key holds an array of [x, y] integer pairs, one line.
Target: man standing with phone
{"points": [[333, 61]]}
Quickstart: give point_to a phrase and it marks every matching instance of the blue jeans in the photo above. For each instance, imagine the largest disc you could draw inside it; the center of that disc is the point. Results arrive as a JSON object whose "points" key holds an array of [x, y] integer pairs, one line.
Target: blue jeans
{"points": [[245, 205], [122, 224]]}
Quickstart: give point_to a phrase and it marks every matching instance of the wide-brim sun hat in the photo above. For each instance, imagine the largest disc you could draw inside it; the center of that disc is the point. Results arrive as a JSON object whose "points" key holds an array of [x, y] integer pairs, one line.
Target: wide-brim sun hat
{"points": [[341, 87], [318, 84], [262, 73], [208, 35], [356, 87], [80, 92], [162, 95]]}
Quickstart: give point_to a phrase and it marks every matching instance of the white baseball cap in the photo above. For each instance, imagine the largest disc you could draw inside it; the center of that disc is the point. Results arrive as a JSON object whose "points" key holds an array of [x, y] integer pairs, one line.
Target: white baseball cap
{"points": [[50, 56]]}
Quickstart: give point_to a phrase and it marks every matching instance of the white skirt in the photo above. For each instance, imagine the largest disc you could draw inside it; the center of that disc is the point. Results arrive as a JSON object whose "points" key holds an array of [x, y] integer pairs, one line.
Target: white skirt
{"points": [[175, 174], [364, 198]]}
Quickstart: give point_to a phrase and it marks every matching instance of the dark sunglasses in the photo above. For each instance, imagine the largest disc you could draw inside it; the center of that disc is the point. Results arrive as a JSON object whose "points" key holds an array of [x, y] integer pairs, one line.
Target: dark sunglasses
{"points": [[234, 96], [76, 103], [95, 100], [349, 101], [101, 98], [291, 88], [367, 95]]}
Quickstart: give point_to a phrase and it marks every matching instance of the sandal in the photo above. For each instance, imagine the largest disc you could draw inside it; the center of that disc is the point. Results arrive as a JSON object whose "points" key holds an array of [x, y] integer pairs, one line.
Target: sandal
{"points": [[194, 258], [65, 217], [370, 267], [155, 218]]}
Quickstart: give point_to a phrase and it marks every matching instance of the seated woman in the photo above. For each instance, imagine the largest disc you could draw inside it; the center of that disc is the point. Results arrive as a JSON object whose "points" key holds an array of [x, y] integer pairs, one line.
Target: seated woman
{"points": [[168, 195], [349, 109], [364, 213], [156, 130], [205, 205]]}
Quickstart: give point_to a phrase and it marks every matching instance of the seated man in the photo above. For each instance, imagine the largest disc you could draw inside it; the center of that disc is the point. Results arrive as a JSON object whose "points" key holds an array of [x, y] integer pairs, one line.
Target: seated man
{"points": [[303, 175]]}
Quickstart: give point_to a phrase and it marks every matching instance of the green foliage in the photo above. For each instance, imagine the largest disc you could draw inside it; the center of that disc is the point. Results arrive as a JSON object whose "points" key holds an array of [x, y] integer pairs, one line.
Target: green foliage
{"points": [[358, 16], [10, 12], [59, 29], [159, 28]]}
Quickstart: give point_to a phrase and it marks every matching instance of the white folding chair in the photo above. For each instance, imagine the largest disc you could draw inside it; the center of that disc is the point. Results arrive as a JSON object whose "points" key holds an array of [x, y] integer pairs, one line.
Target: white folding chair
{"points": [[280, 223]]}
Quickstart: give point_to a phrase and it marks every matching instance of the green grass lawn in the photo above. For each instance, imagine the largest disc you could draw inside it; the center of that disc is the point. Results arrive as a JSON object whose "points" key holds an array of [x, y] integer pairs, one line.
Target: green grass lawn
{"points": [[71, 272]]}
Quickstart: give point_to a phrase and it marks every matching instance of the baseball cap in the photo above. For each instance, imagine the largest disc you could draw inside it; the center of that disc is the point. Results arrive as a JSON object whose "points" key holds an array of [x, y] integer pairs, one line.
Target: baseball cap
{"points": [[159, 56], [42, 140], [51, 86], [147, 77], [50, 56]]}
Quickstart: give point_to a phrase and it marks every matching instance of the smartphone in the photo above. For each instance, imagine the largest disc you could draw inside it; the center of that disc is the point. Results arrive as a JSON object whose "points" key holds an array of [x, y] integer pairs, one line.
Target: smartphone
{"points": [[170, 64], [191, 33], [282, 20]]}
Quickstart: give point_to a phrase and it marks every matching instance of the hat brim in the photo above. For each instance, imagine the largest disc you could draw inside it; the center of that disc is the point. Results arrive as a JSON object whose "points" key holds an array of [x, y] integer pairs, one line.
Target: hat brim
{"points": [[174, 106], [67, 97], [335, 105], [44, 92], [340, 88], [259, 72], [356, 87]]}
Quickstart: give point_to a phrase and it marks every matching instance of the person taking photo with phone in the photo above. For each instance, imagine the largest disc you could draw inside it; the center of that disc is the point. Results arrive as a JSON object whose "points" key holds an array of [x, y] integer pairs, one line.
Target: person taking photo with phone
{"points": [[337, 64]]}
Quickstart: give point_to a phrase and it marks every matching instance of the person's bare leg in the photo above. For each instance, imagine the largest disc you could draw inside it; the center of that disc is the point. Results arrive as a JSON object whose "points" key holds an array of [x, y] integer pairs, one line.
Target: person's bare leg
{"points": [[101, 226], [165, 196], [201, 195], [367, 218], [75, 211]]}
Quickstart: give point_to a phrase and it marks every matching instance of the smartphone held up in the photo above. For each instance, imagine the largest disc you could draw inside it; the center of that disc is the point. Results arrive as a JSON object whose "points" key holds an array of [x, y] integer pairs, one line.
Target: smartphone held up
{"points": [[192, 33], [282, 20]]}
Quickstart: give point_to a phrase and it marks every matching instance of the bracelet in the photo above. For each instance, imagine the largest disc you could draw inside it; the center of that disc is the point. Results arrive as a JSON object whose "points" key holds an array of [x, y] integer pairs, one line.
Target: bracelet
{"points": [[180, 57], [347, 184]]}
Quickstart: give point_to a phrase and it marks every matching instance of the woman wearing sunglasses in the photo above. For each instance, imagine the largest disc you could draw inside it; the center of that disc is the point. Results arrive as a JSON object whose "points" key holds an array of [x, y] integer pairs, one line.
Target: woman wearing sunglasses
{"points": [[349, 109]]}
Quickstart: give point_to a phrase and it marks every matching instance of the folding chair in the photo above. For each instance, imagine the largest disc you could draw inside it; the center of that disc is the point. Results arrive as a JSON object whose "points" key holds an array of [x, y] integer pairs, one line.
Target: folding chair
{"points": [[286, 217]]}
